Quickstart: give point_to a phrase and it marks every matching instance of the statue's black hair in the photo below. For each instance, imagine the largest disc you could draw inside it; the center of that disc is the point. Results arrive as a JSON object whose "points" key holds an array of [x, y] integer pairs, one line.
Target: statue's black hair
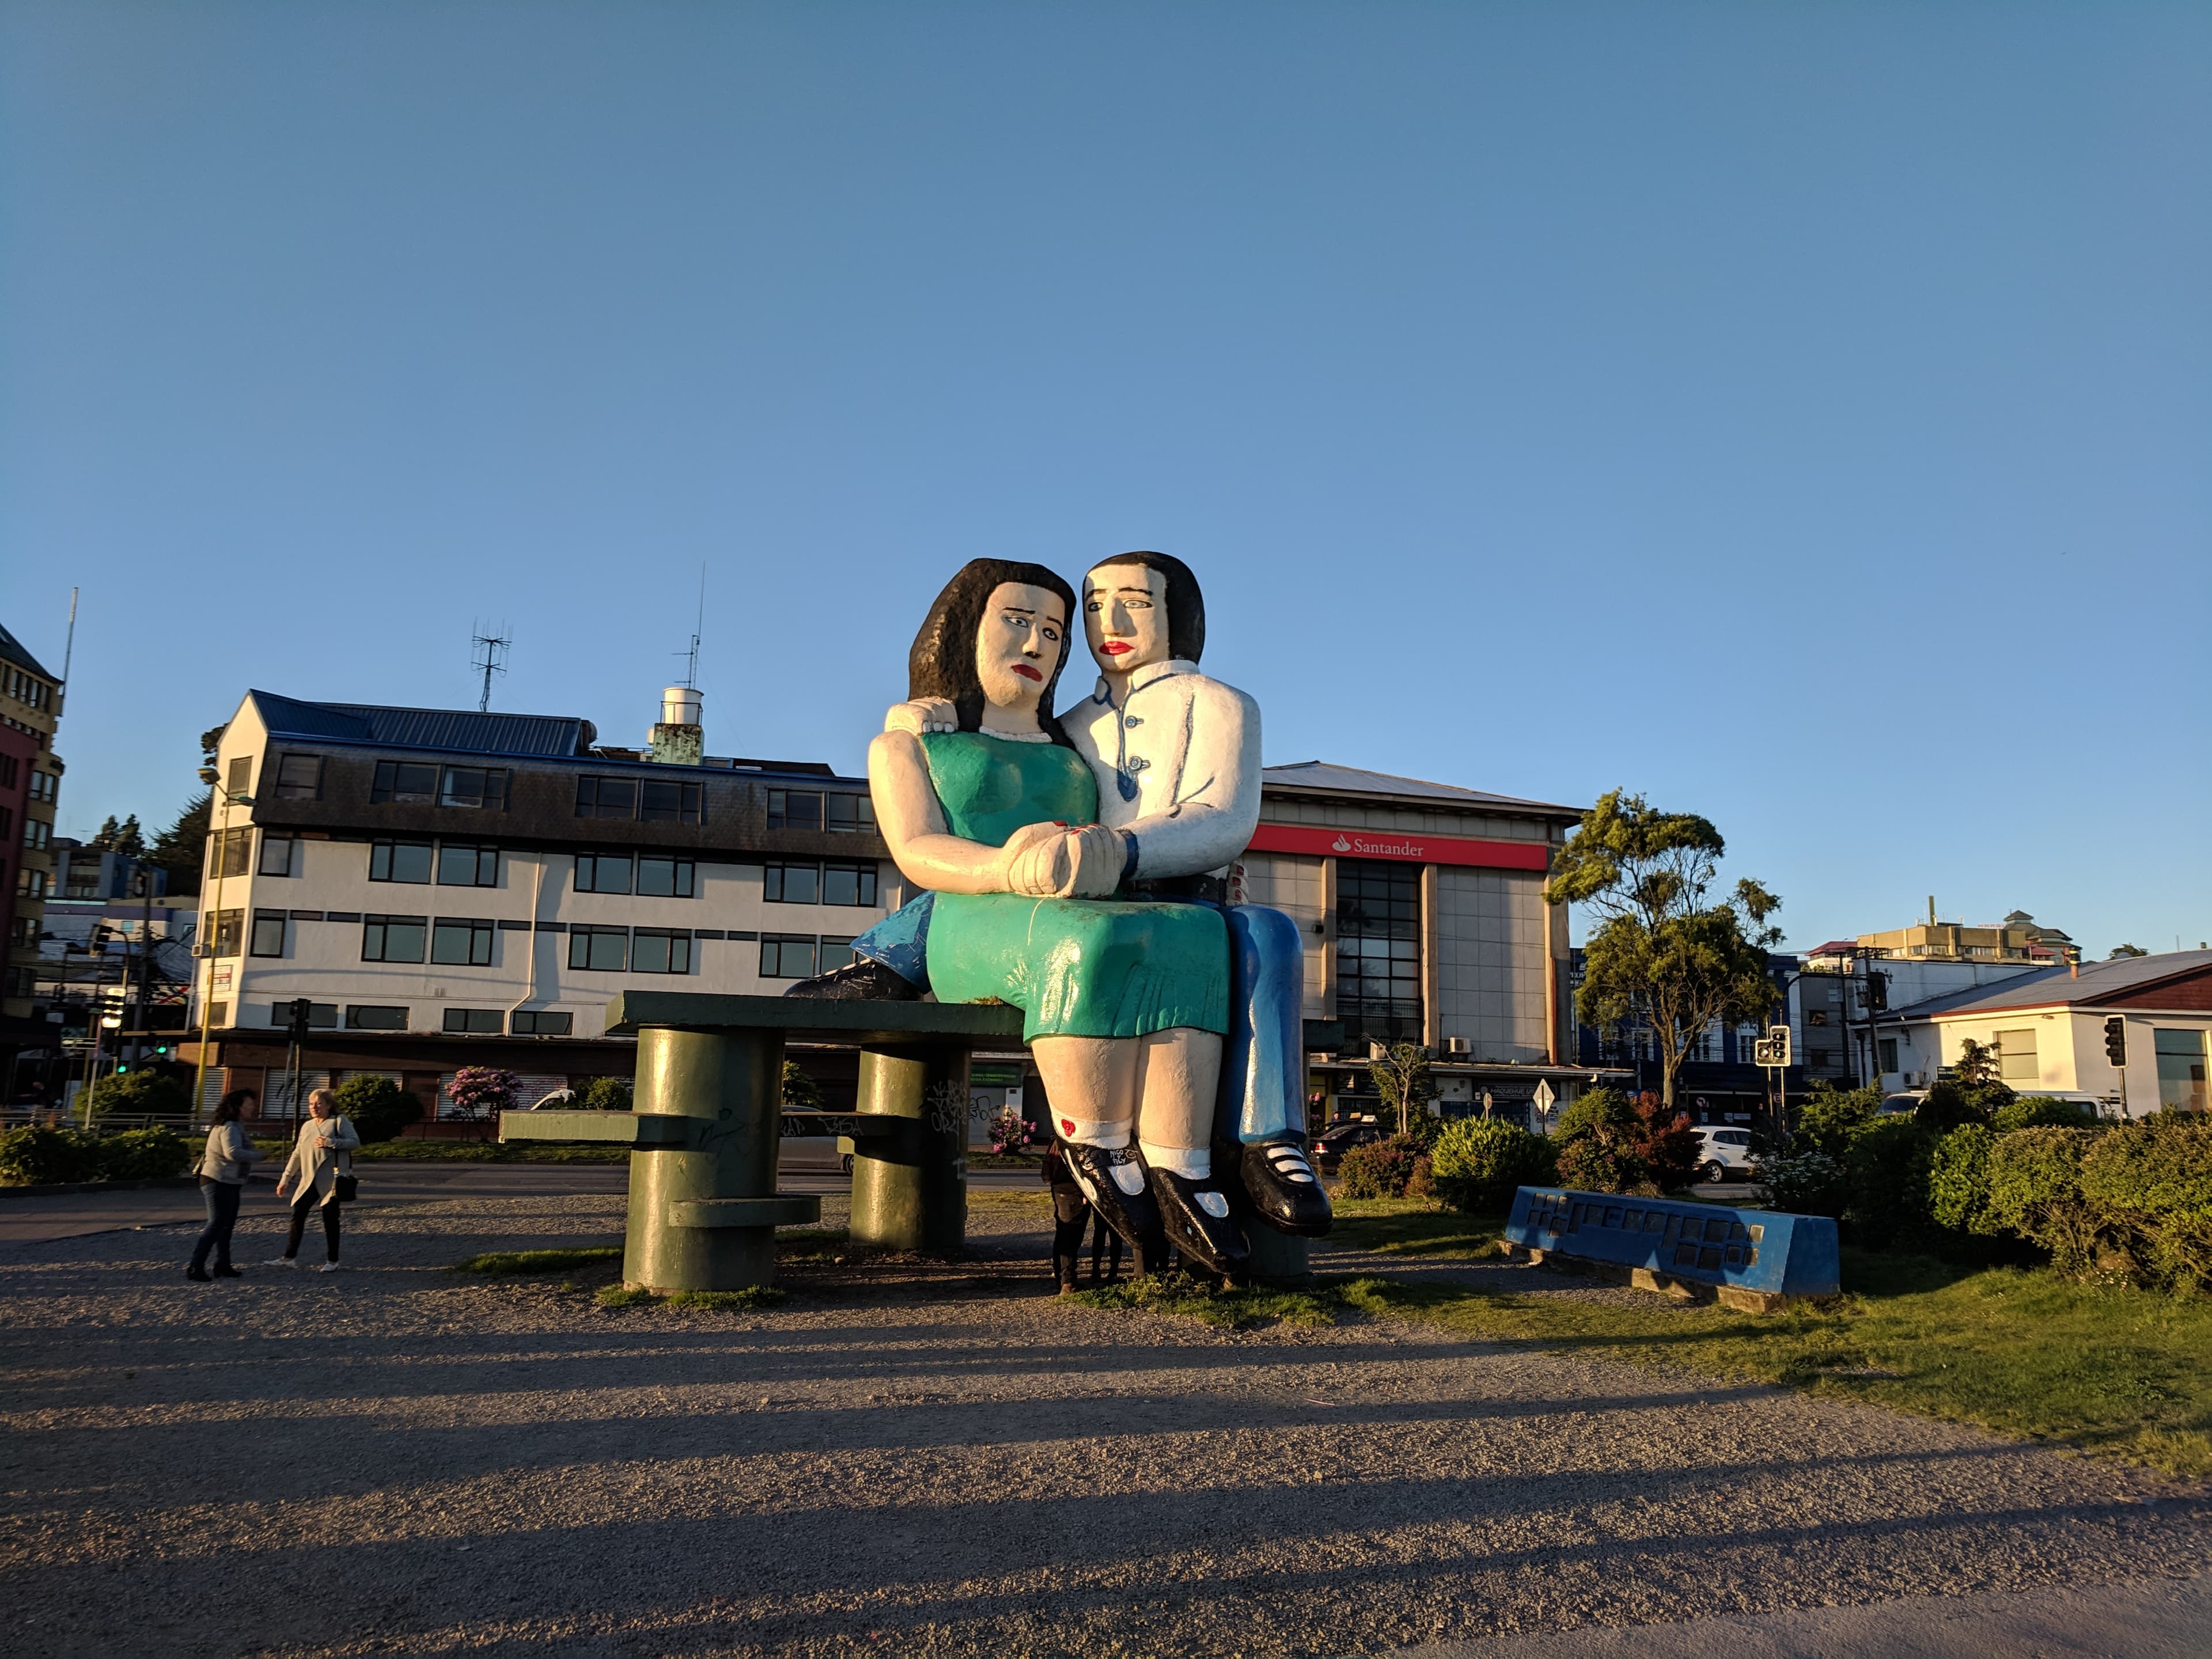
{"points": [[942, 660], [1186, 603]]}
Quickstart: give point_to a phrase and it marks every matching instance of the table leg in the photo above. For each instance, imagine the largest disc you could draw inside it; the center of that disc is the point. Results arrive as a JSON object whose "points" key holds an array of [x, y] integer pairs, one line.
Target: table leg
{"points": [[729, 1084], [910, 1188]]}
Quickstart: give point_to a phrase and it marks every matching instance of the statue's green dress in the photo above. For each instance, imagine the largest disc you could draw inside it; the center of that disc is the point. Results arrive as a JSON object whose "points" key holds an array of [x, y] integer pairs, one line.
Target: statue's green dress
{"points": [[1097, 967]]}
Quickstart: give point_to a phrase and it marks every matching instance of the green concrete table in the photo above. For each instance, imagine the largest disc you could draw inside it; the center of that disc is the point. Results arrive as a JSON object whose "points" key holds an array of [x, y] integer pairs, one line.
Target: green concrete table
{"points": [[705, 1135]]}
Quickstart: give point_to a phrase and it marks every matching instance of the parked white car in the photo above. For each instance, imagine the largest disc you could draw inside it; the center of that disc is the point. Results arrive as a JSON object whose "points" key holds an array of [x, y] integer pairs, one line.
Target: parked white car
{"points": [[1724, 1154]]}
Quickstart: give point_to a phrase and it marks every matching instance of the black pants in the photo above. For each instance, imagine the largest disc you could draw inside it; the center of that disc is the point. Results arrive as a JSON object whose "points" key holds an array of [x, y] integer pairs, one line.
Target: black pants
{"points": [[300, 1208], [222, 1200]]}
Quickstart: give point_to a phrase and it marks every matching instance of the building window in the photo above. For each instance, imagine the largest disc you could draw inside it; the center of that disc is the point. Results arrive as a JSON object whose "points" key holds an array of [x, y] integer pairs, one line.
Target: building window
{"points": [[603, 872], [228, 851], [241, 780], [2016, 1057], [660, 950], [606, 798], [45, 786], [483, 788], [275, 855], [787, 955], [405, 783], [321, 1016], [31, 884], [791, 884], [669, 803], [229, 925], [467, 867], [464, 941], [848, 883], [659, 877], [2181, 1072], [1378, 950], [472, 1021], [400, 861], [7, 821], [540, 1022], [218, 1013], [835, 952], [393, 938], [37, 834], [268, 932], [794, 809], [300, 777], [10, 771], [374, 1017], [851, 814], [1888, 1050], [602, 950]]}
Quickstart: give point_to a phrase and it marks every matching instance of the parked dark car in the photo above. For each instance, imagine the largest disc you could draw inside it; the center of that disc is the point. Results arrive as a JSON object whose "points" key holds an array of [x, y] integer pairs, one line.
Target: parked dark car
{"points": [[1341, 1136]]}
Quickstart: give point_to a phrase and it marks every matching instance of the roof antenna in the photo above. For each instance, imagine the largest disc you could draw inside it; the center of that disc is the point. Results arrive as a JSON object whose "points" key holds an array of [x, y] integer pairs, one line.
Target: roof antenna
{"points": [[488, 659], [692, 657]]}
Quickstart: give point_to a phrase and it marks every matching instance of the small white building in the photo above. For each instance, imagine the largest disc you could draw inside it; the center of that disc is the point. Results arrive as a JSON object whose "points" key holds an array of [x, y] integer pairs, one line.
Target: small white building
{"points": [[2051, 1030]]}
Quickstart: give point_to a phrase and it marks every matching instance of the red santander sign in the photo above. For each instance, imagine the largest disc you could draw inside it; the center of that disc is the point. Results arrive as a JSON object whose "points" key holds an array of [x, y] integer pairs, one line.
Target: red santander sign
{"points": [[1394, 844]]}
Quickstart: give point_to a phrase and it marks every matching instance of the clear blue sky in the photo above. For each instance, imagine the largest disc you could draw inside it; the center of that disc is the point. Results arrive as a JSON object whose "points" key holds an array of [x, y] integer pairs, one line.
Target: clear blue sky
{"points": [[1799, 414]]}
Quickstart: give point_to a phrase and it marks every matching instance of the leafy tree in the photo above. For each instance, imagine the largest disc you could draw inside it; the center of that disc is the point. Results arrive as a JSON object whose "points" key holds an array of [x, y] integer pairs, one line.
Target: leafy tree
{"points": [[1402, 1078], [1662, 955], [131, 1093], [181, 849], [2119, 951], [126, 837], [799, 1091], [606, 1094], [378, 1107]]}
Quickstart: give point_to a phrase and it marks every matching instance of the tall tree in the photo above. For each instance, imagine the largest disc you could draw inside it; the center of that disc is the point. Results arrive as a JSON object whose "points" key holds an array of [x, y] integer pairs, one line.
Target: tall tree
{"points": [[1662, 954], [1402, 1078], [181, 849]]}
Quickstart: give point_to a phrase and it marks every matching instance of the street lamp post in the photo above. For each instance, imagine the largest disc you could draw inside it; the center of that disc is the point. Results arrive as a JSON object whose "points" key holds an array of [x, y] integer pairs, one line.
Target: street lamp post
{"points": [[211, 936]]}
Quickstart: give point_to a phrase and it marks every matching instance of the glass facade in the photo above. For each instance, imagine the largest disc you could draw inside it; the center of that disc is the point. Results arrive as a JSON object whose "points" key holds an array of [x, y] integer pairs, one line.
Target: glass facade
{"points": [[1378, 950]]}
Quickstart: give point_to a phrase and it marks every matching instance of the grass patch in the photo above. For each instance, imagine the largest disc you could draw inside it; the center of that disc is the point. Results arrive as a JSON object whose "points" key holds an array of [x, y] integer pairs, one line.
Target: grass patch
{"points": [[621, 1296], [753, 1296], [1189, 1298], [536, 1262], [2023, 1352], [1412, 1226]]}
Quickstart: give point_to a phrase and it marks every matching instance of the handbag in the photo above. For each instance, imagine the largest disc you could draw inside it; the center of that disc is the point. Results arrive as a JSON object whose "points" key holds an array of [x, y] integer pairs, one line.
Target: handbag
{"points": [[346, 1189]]}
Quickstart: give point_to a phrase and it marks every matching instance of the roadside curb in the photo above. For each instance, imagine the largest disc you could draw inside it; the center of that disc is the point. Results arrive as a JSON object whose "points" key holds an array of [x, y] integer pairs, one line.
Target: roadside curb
{"points": [[58, 1189]]}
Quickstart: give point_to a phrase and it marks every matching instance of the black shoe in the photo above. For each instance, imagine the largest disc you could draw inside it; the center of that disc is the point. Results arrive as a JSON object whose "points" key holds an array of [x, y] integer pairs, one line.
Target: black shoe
{"points": [[1135, 1216], [226, 1270], [1282, 1188], [1195, 1214], [861, 980], [199, 1275]]}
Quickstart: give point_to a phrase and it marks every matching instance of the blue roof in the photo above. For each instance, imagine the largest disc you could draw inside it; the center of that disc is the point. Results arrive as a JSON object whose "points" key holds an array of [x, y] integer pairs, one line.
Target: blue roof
{"points": [[458, 730]]}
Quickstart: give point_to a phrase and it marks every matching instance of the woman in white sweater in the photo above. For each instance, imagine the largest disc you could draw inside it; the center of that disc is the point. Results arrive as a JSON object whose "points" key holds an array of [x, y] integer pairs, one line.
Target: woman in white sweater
{"points": [[322, 1154], [222, 1183]]}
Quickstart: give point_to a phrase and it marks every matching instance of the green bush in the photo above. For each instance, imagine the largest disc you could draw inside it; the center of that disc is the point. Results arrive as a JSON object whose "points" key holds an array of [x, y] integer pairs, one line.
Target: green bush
{"points": [[1959, 1180], [1588, 1164], [1954, 1101], [39, 1157], [378, 1107], [142, 1093], [612, 1094], [2035, 1189], [800, 1092], [1479, 1161], [1828, 1117], [1886, 1162], [1421, 1180], [2041, 1112], [1606, 1113], [2150, 1187], [1805, 1183], [152, 1154], [1381, 1169]]}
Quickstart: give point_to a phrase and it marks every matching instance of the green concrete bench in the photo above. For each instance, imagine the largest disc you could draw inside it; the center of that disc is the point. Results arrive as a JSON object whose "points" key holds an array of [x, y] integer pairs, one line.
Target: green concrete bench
{"points": [[705, 1135]]}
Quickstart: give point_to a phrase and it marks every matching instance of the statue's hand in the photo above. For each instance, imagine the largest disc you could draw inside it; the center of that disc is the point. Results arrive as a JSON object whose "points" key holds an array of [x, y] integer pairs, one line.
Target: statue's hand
{"points": [[1033, 860], [922, 715], [1084, 863], [1100, 854]]}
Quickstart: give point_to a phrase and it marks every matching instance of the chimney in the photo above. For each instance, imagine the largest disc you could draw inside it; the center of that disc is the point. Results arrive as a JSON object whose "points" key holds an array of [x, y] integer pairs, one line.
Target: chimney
{"points": [[678, 739]]}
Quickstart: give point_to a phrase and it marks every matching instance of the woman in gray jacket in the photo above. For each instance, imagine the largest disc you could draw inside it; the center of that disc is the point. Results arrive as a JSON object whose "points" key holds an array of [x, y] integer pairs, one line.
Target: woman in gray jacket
{"points": [[323, 1152], [222, 1183]]}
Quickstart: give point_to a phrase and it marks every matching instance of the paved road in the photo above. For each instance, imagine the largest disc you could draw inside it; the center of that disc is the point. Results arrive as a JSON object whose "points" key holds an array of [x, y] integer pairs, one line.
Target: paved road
{"points": [[71, 1215]]}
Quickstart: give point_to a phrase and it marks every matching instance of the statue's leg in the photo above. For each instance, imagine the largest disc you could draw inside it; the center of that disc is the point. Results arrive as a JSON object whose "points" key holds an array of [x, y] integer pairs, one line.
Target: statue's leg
{"points": [[1263, 1101], [1091, 1086], [1179, 1076], [891, 961]]}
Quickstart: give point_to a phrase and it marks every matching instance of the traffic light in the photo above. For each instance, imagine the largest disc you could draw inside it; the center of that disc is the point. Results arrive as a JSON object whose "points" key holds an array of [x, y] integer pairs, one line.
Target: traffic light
{"points": [[2116, 1040], [303, 1010], [121, 1069]]}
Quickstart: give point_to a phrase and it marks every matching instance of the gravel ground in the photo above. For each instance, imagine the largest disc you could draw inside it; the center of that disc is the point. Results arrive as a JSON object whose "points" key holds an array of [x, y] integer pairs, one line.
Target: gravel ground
{"points": [[925, 1460]]}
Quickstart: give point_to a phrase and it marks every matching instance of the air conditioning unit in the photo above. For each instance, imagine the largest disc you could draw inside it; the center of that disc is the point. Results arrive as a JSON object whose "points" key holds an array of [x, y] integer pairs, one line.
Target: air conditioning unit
{"points": [[1455, 1045]]}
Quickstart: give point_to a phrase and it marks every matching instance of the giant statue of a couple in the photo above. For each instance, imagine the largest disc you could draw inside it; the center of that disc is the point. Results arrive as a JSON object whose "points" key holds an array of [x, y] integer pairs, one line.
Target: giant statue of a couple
{"points": [[1075, 867]]}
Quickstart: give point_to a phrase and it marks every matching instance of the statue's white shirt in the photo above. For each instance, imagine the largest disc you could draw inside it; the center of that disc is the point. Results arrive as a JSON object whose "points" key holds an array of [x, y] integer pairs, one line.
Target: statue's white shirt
{"points": [[1177, 765]]}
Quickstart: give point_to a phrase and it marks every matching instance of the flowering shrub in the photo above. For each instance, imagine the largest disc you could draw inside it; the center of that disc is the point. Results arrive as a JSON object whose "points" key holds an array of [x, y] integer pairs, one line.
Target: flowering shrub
{"points": [[1810, 1183], [481, 1090], [1011, 1132]]}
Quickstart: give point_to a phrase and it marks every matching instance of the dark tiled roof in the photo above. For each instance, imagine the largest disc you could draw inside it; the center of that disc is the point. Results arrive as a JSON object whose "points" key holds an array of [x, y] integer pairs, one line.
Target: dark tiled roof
{"points": [[1354, 781], [455, 730], [11, 650], [2098, 982]]}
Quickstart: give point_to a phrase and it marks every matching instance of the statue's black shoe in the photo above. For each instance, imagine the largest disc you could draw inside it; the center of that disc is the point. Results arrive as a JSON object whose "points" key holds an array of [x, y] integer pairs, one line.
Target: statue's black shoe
{"points": [[1284, 1191], [1106, 1178], [1196, 1216], [862, 980]]}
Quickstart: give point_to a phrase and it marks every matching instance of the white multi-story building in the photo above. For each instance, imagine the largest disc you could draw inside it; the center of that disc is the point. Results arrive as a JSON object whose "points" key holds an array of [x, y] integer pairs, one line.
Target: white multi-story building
{"points": [[449, 888]]}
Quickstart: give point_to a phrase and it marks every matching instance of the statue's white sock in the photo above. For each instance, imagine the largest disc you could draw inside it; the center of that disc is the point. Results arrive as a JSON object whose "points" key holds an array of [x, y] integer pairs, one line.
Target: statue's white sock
{"points": [[1191, 1162], [1092, 1132]]}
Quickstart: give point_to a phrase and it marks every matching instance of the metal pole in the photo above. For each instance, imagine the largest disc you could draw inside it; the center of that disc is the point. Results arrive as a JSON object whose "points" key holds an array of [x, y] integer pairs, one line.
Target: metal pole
{"points": [[209, 937]]}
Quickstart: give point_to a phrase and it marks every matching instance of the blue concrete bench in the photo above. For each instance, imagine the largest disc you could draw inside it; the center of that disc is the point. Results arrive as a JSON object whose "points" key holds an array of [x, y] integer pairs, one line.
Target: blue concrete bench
{"points": [[1756, 1260]]}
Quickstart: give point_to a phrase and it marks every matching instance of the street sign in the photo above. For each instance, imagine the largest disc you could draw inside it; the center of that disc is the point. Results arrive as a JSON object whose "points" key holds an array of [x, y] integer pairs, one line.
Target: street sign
{"points": [[1544, 1096]]}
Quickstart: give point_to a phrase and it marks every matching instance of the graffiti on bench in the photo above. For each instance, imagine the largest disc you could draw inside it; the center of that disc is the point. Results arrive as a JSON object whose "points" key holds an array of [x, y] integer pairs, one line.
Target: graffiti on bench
{"points": [[1763, 1250]]}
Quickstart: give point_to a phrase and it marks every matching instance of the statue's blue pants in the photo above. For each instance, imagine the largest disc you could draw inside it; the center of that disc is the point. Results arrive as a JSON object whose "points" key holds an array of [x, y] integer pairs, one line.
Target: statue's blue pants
{"points": [[1263, 1057]]}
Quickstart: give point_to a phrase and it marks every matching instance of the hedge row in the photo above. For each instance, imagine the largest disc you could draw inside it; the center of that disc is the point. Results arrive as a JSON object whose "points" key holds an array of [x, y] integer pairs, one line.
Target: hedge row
{"points": [[38, 1156]]}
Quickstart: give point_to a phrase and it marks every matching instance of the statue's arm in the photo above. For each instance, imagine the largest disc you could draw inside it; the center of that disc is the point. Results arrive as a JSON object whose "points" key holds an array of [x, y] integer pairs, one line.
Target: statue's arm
{"points": [[913, 825], [1217, 804]]}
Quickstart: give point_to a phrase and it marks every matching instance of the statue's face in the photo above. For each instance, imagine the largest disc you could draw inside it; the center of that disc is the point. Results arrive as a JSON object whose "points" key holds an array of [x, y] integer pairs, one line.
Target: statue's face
{"points": [[1018, 646], [1125, 616]]}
